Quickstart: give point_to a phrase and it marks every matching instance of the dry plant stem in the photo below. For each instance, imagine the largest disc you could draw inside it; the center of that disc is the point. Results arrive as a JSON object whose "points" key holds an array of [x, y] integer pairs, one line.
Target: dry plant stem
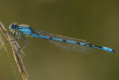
{"points": [[16, 51]]}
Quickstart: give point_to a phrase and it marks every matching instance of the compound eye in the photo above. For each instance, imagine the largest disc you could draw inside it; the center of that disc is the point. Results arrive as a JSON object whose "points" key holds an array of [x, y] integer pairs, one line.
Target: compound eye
{"points": [[12, 26]]}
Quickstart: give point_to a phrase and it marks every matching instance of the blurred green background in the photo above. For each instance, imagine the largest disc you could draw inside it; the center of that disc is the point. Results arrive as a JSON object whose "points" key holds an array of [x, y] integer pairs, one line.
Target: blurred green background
{"points": [[94, 20]]}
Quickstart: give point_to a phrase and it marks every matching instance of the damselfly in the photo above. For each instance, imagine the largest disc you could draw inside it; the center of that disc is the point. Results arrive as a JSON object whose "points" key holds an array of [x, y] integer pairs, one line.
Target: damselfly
{"points": [[72, 44]]}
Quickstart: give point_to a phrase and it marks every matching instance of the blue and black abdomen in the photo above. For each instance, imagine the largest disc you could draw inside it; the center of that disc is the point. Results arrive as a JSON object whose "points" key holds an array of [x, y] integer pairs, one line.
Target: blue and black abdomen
{"points": [[72, 44]]}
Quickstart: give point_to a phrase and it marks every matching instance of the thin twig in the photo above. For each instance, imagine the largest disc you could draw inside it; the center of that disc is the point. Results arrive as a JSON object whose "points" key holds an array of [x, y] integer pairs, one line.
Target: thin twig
{"points": [[16, 51]]}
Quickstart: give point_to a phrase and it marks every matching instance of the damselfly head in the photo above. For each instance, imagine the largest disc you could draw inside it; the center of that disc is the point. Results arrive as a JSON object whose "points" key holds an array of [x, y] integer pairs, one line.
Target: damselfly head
{"points": [[13, 26]]}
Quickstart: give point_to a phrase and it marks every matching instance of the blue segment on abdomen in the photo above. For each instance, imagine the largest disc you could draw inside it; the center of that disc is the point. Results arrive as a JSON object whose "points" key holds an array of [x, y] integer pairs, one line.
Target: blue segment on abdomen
{"points": [[56, 39], [71, 42], [108, 49], [83, 44]]}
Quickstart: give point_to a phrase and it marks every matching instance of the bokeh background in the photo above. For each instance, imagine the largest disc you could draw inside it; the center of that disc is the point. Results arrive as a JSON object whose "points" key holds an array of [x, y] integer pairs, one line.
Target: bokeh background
{"points": [[94, 20]]}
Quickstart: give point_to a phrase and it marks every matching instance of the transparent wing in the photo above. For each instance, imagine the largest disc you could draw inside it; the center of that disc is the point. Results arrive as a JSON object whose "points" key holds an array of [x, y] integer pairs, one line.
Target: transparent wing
{"points": [[67, 46]]}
